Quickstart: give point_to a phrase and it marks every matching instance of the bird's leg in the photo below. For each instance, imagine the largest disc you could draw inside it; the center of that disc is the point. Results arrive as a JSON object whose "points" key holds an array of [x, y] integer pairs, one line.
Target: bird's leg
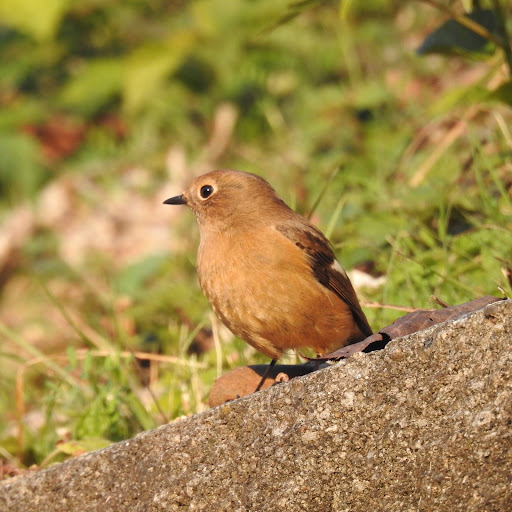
{"points": [[266, 374]]}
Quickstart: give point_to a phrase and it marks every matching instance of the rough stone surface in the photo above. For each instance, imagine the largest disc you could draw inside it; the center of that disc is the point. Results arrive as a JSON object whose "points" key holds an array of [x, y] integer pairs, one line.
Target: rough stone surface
{"points": [[424, 425]]}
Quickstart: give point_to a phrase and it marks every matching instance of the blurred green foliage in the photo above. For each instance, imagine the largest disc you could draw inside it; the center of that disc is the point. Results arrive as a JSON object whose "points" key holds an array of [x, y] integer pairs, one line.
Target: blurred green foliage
{"points": [[405, 157]]}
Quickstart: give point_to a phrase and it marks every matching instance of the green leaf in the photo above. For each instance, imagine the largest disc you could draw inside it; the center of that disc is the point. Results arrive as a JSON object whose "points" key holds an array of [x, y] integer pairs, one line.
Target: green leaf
{"points": [[97, 83], [457, 96], [294, 9], [148, 66], [26, 111], [20, 171], [83, 445], [132, 278], [502, 94], [453, 38], [472, 95], [36, 18]]}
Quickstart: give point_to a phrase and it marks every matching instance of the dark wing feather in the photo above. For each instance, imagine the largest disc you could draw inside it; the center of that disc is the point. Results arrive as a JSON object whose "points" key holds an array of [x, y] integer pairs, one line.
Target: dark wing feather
{"points": [[321, 258]]}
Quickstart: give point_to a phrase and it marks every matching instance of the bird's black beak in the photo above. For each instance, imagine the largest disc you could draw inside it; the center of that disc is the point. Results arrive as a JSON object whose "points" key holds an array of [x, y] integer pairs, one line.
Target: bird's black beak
{"points": [[176, 200]]}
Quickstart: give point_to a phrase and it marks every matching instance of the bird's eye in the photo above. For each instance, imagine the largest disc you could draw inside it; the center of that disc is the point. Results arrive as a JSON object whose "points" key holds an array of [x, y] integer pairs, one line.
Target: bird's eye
{"points": [[206, 191]]}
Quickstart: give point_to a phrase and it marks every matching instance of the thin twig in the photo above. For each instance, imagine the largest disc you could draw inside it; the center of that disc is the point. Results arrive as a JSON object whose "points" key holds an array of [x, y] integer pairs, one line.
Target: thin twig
{"points": [[330, 179], [466, 22], [451, 136], [378, 305], [439, 301]]}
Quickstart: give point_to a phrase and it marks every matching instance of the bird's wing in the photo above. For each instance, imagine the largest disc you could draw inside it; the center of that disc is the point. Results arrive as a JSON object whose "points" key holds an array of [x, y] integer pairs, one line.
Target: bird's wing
{"points": [[325, 267]]}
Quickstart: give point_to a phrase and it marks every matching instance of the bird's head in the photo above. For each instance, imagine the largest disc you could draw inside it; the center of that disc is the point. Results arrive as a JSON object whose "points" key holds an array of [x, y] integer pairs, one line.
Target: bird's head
{"points": [[223, 198]]}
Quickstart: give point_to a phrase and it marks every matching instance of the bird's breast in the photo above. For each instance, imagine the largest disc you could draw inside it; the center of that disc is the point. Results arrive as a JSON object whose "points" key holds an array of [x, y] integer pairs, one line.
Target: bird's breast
{"points": [[265, 292]]}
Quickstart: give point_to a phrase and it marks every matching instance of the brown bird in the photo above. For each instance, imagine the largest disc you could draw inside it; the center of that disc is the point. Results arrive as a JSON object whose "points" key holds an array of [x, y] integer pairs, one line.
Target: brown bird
{"points": [[270, 275]]}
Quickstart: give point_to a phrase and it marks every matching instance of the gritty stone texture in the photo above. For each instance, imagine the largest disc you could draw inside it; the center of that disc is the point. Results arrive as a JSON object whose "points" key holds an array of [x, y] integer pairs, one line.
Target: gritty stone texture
{"points": [[424, 425]]}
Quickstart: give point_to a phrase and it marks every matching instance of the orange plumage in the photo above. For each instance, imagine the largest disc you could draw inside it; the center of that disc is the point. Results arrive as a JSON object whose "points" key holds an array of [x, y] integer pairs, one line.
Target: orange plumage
{"points": [[269, 274]]}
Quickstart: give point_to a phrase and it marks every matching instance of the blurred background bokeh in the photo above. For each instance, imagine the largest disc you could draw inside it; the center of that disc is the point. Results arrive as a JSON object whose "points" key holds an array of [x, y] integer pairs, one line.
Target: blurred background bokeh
{"points": [[108, 107]]}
